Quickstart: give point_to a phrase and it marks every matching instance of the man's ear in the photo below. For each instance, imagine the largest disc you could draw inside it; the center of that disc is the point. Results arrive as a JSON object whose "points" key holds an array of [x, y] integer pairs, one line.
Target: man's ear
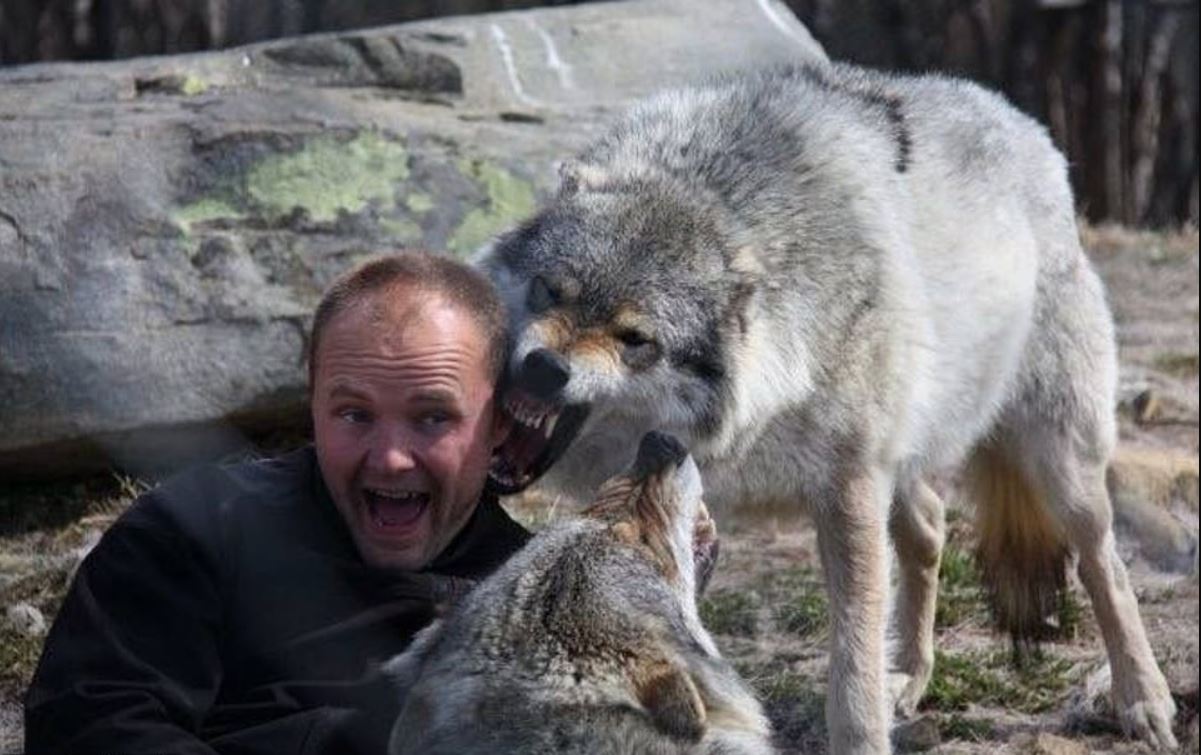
{"points": [[502, 424]]}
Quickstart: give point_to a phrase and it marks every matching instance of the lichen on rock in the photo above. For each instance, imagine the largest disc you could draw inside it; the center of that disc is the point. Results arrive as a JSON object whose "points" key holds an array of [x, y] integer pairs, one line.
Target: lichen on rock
{"points": [[509, 198], [328, 175]]}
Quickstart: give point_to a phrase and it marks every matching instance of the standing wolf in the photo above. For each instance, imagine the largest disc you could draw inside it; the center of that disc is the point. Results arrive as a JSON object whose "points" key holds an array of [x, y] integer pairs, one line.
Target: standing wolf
{"points": [[829, 283], [588, 640]]}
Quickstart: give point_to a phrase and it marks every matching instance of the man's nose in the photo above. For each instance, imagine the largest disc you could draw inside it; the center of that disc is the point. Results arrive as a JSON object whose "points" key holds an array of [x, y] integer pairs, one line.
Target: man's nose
{"points": [[393, 452]]}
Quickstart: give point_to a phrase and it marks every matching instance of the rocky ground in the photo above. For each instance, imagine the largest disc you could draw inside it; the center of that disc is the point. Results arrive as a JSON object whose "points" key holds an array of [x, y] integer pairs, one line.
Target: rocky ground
{"points": [[766, 606]]}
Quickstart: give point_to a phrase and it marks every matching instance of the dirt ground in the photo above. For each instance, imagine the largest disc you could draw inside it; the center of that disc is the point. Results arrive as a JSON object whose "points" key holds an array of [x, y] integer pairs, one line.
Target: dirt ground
{"points": [[766, 606]]}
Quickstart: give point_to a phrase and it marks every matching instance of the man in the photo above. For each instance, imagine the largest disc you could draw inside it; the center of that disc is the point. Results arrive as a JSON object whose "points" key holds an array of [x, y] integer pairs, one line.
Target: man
{"points": [[244, 608]]}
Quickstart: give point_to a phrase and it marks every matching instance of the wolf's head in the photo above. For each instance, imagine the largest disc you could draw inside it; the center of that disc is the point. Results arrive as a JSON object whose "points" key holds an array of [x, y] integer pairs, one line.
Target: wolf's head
{"points": [[626, 295], [588, 639], [656, 507]]}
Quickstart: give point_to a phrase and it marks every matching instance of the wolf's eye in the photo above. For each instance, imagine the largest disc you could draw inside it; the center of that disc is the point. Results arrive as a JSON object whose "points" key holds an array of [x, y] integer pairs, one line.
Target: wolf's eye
{"points": [[638, 350], [541, 298], [633, 338]]}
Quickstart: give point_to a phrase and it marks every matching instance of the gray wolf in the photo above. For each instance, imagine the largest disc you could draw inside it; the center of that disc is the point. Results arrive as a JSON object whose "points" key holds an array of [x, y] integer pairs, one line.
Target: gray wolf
{"points": [[831, 283], [586, 641]]}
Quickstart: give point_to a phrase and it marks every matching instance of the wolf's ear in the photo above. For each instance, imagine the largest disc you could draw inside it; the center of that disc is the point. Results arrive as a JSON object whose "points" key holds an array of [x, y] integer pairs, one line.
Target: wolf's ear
{"points": [[671, 698], [748, 277], [575, 175]]}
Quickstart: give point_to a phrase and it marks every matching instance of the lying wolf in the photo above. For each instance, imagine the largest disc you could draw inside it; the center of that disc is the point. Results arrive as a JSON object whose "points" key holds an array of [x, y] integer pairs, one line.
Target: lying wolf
{"points": [[830, 283], [587, 641]]}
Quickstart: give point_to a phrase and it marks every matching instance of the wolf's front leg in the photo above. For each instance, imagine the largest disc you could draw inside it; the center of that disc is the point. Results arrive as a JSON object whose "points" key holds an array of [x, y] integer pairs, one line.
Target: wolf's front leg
{"points": [[852, 536]]}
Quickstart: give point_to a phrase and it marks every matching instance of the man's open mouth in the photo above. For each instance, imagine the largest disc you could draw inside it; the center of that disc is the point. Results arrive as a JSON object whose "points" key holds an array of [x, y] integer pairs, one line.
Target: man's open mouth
{"points": [[541, 433], [394, 512]]}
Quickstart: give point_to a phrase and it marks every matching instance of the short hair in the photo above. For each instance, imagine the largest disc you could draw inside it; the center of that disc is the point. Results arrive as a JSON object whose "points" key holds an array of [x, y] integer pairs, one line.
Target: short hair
{"points": [[457, 283]]}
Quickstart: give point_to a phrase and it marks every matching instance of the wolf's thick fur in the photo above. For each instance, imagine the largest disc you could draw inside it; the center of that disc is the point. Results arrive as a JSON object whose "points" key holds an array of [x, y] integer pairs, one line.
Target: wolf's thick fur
{"points": [[587, 641], [831, 282]]}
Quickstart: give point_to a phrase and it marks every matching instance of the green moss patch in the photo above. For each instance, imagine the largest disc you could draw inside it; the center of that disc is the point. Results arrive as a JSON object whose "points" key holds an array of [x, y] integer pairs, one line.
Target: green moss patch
{"points": [[508, 200], [204, 210], [328, 176], [419, 203]]}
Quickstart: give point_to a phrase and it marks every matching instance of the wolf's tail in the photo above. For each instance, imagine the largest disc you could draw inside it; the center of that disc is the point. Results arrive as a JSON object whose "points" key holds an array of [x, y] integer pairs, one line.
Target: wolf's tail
{"points": [[1020, 549]]}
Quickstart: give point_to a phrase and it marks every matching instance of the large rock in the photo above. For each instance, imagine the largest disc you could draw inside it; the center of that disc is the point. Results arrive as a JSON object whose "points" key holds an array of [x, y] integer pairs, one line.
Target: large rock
{"points": [[167, 224]]}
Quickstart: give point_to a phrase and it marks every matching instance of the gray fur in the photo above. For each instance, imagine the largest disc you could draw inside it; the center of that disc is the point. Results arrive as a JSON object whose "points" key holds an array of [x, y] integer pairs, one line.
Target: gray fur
{"points": [[850, 279], [538, 659]]}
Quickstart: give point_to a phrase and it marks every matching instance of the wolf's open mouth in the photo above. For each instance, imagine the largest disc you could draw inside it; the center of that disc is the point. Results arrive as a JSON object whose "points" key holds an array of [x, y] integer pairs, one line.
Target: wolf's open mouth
{"points": [[541, 433]]}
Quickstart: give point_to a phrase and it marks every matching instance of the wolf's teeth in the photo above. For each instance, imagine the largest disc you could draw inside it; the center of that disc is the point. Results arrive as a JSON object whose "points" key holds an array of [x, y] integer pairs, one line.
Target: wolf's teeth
{"points": [[513, 406], [551, 421]]}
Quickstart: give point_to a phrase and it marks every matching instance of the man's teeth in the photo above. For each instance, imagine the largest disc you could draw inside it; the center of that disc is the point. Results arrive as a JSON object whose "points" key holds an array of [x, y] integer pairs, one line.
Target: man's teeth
{"points": [[397, 495]]}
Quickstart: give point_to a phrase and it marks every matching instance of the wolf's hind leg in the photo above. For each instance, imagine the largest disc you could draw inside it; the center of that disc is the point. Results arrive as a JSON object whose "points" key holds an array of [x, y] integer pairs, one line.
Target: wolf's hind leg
{"points": [[852, 531], [1075, 486], [918, 532]]}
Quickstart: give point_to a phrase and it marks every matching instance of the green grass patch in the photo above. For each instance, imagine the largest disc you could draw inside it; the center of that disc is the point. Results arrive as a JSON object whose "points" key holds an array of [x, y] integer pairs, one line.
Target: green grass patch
{"points": [[26, 507], [729, 612], [988, 679], [794, 704], [966, 729], [960, 594], [1179, 364], [1069, 617], [799, 600], [18, 658]]}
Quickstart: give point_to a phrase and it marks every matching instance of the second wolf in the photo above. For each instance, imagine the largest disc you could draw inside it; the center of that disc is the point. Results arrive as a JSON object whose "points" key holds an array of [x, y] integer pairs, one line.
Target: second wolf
{"points": [[587, 641], [831, 283]]}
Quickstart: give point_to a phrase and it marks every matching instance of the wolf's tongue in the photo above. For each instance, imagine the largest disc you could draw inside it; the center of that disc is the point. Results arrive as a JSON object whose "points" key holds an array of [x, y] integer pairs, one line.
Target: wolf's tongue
{"points": [[394, 512]]}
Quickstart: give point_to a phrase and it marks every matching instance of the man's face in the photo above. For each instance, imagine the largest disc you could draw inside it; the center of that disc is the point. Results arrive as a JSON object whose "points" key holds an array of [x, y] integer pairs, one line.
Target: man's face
{"points": [[404, 423]]}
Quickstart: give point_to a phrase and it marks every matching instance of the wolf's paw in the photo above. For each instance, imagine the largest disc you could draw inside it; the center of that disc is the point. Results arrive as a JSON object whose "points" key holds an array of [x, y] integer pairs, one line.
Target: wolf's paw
{"points": [[1149, 719], [906, 690]]}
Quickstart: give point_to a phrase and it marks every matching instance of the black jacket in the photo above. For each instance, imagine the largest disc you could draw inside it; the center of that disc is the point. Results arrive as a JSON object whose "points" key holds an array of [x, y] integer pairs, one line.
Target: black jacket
{"points": [[228, 611]]}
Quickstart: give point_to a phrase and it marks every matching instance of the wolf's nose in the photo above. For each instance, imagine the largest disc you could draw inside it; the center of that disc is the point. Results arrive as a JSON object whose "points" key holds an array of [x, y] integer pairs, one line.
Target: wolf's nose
{"points": [[657, 450], [543, 373]]}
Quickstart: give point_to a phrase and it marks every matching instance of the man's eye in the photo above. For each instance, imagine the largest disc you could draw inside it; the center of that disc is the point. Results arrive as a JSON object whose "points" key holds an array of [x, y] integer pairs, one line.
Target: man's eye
{"points": [[354, 416], [436, 419]]}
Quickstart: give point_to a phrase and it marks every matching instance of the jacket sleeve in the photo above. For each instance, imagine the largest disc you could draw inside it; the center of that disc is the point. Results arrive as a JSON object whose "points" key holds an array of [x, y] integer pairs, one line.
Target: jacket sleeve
{"points": [[132, 662]]}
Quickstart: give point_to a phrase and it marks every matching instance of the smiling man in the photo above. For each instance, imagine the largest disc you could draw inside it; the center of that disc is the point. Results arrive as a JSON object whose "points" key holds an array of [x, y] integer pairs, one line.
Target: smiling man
{"points": [[244, 608], [403, 409]]}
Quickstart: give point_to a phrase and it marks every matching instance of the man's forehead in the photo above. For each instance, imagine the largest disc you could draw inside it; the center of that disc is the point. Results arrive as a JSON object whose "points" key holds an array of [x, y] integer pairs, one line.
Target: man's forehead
{"points": [[422, 330], [397, 311]]}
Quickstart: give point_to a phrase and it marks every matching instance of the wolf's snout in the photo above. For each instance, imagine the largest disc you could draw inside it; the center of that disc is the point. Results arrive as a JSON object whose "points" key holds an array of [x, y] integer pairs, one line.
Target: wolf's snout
{"points": [[543, 374], [658, 450]]}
